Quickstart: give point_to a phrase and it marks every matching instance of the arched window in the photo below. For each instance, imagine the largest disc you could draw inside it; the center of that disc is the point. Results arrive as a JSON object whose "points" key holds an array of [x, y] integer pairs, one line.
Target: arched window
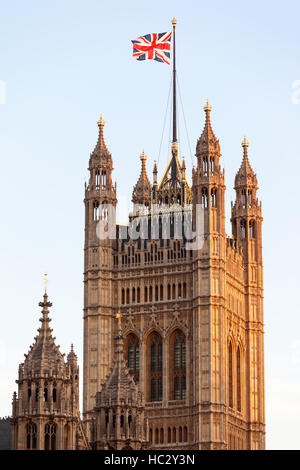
{"points": [[185, 434], [180, 434], [50, 436], [155, 361], [238, 380], [156, 436], [212, 165], [104, 211], [179, 291], [205, 165], [169, 291], [174, 435], [243, 228], [161, 435], [150, 294], [150, 435], [213, 197], [173, 291], [31, 432], [243, 198], [146, 294], [97, 179], [178, 366], [251, 229], [127, 296], [169, 436], [133, 356], [184, 290], [230, 371], [123, 296], [161, 292], [103, 179], [204, 198], [138, 295], [133, 295], [156, 293], [96, 211]]}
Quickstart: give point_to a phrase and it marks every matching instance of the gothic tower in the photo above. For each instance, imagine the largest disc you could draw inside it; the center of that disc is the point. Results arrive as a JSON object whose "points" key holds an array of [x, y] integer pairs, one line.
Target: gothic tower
{"points": [[46, 409], [246, 221], [192, 314], [100, 200], [209, 332]]}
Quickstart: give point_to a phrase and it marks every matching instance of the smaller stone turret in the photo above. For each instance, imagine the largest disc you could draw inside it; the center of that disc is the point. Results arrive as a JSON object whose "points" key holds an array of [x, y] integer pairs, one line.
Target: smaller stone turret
{"points": [[120, 422]]}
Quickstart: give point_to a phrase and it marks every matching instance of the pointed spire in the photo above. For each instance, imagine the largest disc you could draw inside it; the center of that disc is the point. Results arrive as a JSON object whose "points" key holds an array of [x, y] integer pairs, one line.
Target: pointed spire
{"points": [[155, 174], [101, 148], [44, 355], [208, 143], [245, 173], [183, 168], [142, 190]]}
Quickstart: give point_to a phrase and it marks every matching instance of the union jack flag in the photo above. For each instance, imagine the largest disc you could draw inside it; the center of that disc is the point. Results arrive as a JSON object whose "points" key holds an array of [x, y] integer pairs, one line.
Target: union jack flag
{"points": [[155, 46]]}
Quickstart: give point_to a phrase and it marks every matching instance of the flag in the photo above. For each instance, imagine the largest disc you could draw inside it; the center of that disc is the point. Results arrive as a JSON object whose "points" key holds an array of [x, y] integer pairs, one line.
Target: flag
{"points": [[154, 46]]}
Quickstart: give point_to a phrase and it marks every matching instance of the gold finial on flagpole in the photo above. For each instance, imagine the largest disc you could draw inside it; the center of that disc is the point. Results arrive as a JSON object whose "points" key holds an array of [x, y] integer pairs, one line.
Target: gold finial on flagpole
{"points": [[174, 21], [45, 282]]}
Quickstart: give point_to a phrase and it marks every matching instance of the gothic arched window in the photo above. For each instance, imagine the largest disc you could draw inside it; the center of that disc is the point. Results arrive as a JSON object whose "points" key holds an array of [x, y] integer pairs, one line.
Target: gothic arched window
{"points": [[213, 197], [230, 379], [31, 432], [155, 362], [96, 210], [243, 228], [133, 356], [251, 229], [178, 366], [204, 198], [50, 436], [238, 380]]}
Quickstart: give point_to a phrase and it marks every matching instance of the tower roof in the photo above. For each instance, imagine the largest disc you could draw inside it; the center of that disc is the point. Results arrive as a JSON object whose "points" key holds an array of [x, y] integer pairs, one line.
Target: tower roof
{"points": [[207, 144], [44, 355], [245, 174], [101, 149], [142, 190], [119, 386]]}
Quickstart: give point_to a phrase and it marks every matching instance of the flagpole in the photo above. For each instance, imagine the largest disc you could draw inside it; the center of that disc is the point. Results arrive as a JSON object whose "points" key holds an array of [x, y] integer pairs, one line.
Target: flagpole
{"points": [[174, 21]]}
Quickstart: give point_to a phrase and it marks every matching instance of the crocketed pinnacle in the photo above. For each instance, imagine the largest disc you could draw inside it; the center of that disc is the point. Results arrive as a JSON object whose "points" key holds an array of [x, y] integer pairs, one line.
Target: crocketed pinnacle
{"points": [[101, 148], [208, 144], [119, 386], [142, 190], [245, 174], [44, 356]]}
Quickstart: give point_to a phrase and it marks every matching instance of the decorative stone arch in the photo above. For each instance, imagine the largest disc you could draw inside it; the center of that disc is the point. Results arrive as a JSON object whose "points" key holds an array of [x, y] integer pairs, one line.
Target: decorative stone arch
{"points": [[132, 354], [154, 365], [177, 364]]}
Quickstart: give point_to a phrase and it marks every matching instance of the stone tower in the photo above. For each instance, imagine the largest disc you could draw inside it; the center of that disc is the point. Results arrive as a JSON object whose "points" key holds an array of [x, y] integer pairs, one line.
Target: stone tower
{"points": [[192, 316], [246, 221], [209, 277], [46, 408], [100, 198], [120, 422]]}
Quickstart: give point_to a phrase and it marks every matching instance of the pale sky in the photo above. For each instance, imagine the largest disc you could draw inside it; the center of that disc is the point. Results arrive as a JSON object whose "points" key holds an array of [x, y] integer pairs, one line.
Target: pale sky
{"points": [[64, 63]]}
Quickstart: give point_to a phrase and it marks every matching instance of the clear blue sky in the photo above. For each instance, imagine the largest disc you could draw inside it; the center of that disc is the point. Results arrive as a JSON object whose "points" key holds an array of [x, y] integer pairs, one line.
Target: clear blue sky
{"points": [[64, 63]]}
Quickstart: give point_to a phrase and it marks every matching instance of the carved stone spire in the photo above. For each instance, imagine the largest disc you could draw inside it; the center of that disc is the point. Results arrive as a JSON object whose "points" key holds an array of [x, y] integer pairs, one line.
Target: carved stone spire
{"points": [[245, 175], [44, 355], [142, 190], [101, 148], [207, 144]]}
